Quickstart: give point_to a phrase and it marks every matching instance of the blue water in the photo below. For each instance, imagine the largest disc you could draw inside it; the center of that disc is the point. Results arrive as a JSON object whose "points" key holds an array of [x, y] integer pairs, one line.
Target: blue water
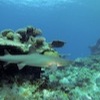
{"points": [[77, 22]]}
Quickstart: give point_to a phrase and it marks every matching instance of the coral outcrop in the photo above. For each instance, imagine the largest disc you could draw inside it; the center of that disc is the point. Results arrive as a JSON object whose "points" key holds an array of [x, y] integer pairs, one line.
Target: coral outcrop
{"points": [[25, 41], [79, 81]]}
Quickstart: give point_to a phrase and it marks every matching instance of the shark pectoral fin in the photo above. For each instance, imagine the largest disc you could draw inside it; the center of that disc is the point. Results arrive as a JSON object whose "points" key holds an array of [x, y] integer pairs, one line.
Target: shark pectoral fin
{"points": [[6, 63], [6, 52], [21, 66]]}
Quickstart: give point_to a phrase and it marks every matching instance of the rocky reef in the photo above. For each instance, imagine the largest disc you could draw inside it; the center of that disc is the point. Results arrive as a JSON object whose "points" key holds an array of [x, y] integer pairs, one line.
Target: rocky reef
{"points": [[80, 80]]}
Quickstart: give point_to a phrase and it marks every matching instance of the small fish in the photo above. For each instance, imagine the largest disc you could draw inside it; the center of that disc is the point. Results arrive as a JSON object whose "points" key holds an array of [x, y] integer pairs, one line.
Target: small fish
{"points": [[34, 59], [57, 43]]}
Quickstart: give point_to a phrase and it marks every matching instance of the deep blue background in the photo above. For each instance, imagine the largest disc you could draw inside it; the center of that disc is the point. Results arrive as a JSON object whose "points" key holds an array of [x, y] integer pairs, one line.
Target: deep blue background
{"points": [[76, 24]]}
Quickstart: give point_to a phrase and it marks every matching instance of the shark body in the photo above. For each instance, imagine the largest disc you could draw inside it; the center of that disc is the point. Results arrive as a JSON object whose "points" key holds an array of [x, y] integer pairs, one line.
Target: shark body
{"points": [[34, 59]]}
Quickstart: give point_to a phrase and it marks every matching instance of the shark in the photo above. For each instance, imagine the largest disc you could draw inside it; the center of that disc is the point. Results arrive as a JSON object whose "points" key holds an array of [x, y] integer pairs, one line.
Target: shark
{"points": [[34, 60]]}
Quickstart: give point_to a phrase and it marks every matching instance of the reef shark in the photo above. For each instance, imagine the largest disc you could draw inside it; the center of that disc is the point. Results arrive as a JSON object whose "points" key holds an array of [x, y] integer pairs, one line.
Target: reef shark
{"points": [[34, 60]]}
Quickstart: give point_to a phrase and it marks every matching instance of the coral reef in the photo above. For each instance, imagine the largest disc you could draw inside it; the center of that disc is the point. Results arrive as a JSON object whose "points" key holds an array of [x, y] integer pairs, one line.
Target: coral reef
{"points": [[80, 80], [77, 82], [26, 43], [27, 32]]}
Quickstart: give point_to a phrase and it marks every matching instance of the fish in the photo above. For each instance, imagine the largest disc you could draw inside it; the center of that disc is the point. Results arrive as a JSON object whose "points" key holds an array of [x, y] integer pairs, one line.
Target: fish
{"points": [[34, 60], [57, 43]]}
